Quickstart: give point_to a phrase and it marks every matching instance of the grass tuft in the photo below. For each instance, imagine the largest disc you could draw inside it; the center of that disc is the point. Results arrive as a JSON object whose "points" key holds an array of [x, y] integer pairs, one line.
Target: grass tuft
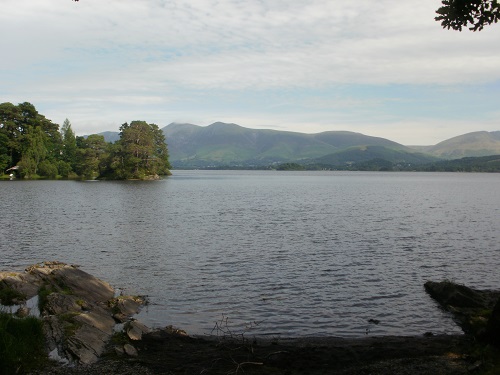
{"points": [[9, 296], [21, 344]]}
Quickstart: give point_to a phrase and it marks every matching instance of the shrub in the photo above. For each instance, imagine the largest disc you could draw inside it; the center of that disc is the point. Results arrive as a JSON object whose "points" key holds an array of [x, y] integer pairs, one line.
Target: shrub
{"points": [[21, 344], [9, 296], [64, 168], [47, 169]]}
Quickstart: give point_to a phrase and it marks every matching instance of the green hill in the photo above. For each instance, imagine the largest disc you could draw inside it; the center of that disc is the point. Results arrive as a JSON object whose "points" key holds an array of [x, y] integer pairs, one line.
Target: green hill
{"points": [[474, 144], [221, 144], [230, 145]]}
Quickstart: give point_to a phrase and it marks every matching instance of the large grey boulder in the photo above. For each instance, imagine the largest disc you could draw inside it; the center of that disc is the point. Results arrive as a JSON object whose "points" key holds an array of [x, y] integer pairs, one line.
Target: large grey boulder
{"points": [[473, 310], [67, 278], [125, 306], [80, 311], [24, 283], [452, 294], [84, 285], [136, 329], [90, 338], [57, 304]]}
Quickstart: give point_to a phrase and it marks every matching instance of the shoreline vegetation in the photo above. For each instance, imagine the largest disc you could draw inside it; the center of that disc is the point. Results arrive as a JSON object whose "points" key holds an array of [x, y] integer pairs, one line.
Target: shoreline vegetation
{"points": [[33, 147], [484, 164], [88, 329]]}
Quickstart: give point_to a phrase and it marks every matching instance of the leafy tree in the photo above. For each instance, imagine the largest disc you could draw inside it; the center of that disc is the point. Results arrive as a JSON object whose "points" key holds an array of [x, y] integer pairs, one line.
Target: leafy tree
{"points": [[68, 152], [455, 14], [10, 125], [64, 169], [4, 151], [142, 151], [34, 151], [114, 164], [26, 129], [137, 144], [47, 169], [92, 154], [27, 167], [30, 118]]}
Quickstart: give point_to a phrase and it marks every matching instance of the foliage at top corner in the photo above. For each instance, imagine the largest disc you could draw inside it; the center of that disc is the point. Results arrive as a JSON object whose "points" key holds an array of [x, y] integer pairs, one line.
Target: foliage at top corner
{"points": [[455, 14], [474, 14]]}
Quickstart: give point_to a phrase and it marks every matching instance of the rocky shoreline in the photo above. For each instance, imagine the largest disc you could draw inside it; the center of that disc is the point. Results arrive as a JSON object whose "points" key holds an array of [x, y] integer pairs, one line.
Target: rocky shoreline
{"points": [[89, 329], [80, 313]]}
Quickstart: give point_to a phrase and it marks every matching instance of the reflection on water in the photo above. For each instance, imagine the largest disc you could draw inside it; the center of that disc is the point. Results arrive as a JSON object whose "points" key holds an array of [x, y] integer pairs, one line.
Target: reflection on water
{"points": [[299, 253]]}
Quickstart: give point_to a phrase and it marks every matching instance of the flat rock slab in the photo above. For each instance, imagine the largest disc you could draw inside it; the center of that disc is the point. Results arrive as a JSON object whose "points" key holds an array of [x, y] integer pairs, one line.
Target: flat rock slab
{"points": [[78, 309], [24, 283], [80, 283]]}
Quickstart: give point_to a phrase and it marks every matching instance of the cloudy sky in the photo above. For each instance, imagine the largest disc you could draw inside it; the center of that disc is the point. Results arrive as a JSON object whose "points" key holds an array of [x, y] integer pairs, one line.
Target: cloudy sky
{"points": [[383, 68]]}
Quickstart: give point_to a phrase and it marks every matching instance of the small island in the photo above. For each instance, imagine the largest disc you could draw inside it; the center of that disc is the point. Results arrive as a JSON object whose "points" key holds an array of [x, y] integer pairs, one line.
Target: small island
{"points": [[33, 147]]}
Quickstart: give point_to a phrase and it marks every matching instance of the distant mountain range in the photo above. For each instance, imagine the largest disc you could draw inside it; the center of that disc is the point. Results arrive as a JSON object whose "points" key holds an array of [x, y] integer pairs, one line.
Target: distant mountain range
{"points": [[230, 145], [474, 144]]}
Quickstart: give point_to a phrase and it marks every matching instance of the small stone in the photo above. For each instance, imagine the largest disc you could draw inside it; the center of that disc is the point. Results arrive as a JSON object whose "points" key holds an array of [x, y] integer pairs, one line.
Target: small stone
{"points": [[119, 350], [128, 305], [475, 366], [130, 350], [136, 329], [22, 312], [121, 318]]}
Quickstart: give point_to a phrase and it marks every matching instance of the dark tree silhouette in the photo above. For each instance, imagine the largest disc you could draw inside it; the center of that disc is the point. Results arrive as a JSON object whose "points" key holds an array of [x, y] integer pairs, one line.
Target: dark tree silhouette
{"points": [[455, 14]]}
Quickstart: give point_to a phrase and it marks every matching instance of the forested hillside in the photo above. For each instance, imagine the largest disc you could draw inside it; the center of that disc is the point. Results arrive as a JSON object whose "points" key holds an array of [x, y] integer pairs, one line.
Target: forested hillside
{"points": [[230, 145], [32, 146]]}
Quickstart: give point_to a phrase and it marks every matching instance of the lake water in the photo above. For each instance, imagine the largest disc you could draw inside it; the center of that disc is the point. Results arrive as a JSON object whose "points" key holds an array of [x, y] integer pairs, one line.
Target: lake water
{"points": [[300, 253]]}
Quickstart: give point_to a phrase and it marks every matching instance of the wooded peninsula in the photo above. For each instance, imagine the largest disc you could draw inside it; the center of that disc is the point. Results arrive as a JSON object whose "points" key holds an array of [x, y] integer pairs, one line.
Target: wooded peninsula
{"points": [[32, 146]]}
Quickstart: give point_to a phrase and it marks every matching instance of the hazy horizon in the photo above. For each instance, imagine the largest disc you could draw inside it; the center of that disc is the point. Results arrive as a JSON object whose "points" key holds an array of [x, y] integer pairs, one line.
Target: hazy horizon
{"points": [[180, 123]]}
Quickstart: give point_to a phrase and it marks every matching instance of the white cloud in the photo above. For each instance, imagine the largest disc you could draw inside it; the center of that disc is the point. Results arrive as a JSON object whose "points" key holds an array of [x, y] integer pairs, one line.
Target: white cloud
{"points": [[258, 44], [114, 57]]}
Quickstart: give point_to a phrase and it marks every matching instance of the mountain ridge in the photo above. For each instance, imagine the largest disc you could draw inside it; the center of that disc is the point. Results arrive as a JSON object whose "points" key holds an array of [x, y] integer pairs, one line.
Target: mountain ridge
{"points": [[227, 144], [223, 144]]}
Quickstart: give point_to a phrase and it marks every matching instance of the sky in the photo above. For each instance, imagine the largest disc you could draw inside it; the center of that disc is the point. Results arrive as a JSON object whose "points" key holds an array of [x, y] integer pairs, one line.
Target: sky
{"points": [[382, 68]]}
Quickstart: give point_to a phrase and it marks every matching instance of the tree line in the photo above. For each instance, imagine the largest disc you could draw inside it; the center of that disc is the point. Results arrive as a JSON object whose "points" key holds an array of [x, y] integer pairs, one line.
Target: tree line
{"points": [[489, 164], [32, 146]]}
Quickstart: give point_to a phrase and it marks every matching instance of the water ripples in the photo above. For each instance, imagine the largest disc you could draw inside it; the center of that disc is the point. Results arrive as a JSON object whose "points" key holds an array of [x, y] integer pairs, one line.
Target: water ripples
{"points": [[300, 253]]}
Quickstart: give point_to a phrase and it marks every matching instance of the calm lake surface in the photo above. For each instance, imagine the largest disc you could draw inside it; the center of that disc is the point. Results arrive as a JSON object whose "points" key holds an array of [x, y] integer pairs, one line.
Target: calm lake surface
{"points": [[301, 253]]}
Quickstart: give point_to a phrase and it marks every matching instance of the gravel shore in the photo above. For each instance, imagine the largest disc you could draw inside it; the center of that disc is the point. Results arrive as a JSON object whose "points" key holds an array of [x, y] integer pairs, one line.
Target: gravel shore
{"points": [[162, 352]]}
